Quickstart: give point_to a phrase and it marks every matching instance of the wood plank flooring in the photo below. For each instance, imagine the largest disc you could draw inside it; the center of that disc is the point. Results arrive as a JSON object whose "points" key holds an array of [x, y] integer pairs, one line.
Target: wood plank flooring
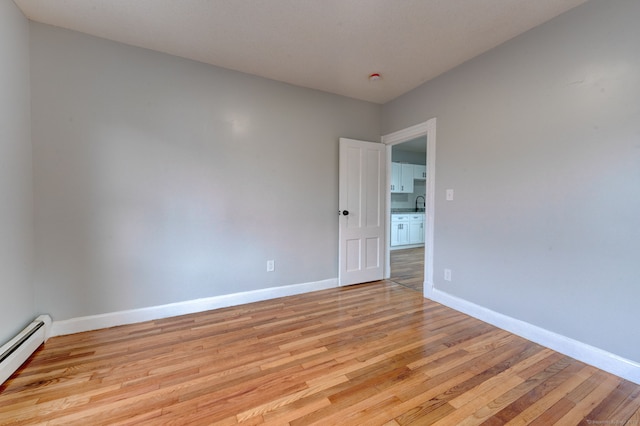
{"points": [[407, 268], [372, 354]]}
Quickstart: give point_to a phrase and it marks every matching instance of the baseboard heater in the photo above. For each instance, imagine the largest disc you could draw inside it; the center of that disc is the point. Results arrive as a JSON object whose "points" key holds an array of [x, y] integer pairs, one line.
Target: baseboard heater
{"points": [[17, 350]]}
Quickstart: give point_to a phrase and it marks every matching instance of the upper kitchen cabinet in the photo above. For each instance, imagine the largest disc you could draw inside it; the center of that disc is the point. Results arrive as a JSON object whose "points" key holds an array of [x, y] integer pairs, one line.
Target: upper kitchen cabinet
{"points": [[419, 172], [396, 173], [402, 176], [407, 178]]}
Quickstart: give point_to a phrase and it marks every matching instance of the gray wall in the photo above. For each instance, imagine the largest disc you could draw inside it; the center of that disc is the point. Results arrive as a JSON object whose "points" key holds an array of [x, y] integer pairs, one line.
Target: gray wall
{"points": [[540, 138], [159, 179], [16, 183]]}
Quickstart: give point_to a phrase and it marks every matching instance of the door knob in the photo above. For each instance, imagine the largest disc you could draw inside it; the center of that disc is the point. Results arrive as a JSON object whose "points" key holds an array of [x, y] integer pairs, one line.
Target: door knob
{"points": [[345, 212]]}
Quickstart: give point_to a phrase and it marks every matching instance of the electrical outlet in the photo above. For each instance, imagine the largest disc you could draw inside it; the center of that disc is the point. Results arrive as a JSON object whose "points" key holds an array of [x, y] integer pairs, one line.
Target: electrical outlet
{"points": [[271, 265], [449, 195], [447, 274]]}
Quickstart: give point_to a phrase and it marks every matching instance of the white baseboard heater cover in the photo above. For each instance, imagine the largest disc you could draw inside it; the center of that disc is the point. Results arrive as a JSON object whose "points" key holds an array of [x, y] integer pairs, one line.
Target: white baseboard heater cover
{"points": [[17, 350]]}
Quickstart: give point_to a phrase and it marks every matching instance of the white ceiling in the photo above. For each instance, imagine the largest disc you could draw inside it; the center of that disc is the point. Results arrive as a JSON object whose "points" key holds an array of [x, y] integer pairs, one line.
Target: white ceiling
{"points": [[330, 45]]}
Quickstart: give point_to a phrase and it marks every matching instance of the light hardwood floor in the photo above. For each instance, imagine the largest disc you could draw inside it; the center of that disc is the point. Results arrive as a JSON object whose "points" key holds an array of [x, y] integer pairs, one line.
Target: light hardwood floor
{"points": [[407, 268], [371, 354]]}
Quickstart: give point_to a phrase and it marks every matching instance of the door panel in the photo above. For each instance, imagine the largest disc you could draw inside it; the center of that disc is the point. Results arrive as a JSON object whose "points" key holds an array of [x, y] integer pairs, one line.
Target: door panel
{"points": [[372, 254], [362, 197]]}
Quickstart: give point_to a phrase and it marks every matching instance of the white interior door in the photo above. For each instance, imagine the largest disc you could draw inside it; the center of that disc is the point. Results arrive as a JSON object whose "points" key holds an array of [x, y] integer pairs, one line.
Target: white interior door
{"points": [[362, 213]]}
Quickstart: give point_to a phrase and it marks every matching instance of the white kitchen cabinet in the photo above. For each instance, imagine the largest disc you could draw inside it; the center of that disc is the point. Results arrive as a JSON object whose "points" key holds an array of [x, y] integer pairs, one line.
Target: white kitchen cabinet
{"points": [[419, 172], [407, 178], [396, 171], [402, 178], [416, 229], [407, 229], [399, 230]]}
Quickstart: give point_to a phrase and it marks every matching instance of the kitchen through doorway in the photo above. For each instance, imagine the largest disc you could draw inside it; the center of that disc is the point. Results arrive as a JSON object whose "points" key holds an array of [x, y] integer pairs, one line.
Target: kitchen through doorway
{"points": [[407, 213]]}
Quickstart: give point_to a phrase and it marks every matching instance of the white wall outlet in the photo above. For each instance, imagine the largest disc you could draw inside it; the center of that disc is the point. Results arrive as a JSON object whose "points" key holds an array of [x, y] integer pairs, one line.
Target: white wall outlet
{"points": [[449, 195], [271, 265], [447, 274]]}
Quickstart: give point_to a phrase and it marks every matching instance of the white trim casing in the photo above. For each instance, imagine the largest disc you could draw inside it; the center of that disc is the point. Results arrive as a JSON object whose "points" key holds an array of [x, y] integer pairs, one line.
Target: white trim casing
{"points": [[112, 319], [428, 129], [431, 208], [588, 354]]}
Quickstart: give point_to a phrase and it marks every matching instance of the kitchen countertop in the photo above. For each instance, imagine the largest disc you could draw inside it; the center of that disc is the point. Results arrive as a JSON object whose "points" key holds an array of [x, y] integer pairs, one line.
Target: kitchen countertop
{"points": [[404, 211]]}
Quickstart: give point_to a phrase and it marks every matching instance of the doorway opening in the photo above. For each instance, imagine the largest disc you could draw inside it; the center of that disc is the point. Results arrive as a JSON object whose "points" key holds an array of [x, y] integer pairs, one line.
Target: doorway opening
{"points": [[408, 202], [410, 206]]}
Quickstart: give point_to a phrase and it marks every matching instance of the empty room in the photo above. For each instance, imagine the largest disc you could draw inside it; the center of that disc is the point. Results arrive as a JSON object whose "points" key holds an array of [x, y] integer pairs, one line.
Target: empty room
{"points": [[297, 212]]}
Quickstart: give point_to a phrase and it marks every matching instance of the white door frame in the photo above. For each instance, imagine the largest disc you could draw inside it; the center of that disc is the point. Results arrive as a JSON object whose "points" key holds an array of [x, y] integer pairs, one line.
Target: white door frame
{"points": [[428, 129]]}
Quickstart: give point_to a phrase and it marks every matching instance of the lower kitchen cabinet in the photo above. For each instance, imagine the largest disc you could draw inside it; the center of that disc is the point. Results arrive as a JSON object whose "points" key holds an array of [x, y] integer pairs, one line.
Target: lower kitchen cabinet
{"points": [[407, 229], [399, 230], [416, 230]]}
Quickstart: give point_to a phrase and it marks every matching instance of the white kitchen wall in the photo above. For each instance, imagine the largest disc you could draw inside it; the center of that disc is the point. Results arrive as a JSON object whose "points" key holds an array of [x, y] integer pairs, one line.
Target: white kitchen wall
{"points": [[159, 179], [540, 140], [17, 307]]}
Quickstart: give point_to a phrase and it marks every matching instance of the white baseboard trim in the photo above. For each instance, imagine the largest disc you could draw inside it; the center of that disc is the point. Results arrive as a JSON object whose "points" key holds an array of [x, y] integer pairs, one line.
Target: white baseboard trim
{"points": [[607, 361], [112, 319]]}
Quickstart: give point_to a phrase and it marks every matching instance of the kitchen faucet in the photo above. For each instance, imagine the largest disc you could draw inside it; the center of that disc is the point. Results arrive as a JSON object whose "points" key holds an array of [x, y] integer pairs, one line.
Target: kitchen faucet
{"points": [[424, 203]]}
